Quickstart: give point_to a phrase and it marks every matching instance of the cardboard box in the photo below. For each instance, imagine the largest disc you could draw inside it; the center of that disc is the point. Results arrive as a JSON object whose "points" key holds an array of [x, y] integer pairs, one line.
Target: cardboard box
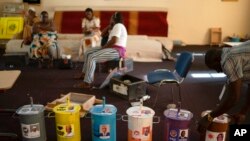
{"points": [[110, 65], [15, 59], [128, 87], [84, 100]]}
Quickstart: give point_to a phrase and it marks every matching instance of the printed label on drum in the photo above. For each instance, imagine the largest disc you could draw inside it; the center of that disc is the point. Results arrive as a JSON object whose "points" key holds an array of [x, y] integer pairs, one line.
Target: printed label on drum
{"points": [[178, 134], [215, 136], [182, 114], [31, 130], [183, 134], [136, 134], [104, 131], [173, 134], [122, 89], [146, 132], [143, 134], [65, 130]]}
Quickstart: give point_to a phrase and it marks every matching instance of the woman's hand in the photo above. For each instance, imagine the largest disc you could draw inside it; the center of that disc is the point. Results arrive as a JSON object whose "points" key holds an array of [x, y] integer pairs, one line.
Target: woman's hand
{"points": [[88, 32]]}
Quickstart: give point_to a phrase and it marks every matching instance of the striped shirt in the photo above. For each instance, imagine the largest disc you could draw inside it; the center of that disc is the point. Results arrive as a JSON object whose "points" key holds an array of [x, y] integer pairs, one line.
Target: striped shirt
{"points": [[235, 62]]}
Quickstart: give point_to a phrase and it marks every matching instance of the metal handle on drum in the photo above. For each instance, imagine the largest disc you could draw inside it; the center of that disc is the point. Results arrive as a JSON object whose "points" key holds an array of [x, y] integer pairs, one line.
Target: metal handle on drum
{"points": [[157, 118], [49, 115], [9, 111], [88, 115], [15, 115], [118, 116], [123, 119]]}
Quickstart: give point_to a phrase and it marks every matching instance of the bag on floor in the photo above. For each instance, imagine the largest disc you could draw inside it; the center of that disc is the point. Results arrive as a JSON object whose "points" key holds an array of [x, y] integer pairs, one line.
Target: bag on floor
{"points": [[65, 62]]}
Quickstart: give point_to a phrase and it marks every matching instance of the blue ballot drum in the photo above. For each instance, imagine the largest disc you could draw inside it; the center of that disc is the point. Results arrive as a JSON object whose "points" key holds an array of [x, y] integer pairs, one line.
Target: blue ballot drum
{"points": [[103, 120]]}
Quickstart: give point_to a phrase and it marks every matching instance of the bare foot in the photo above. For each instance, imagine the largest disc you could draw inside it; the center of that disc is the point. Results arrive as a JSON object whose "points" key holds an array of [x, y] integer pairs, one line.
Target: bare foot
{"points": [[172, 58], [83, 85]]}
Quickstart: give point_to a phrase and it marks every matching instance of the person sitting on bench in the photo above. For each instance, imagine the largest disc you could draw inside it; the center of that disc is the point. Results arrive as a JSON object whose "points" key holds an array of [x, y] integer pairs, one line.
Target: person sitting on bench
{"points": [[113, 49], [91, 31], [30, 20], [44, 38]]}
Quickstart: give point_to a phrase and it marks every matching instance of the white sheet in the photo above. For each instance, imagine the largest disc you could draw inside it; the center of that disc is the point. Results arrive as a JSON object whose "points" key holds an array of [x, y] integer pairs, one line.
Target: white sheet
{"points": [[140, 48]]}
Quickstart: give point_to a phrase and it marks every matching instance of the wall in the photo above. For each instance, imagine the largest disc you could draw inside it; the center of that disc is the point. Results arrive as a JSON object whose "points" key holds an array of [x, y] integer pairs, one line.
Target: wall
{"points": [[189, 20]]}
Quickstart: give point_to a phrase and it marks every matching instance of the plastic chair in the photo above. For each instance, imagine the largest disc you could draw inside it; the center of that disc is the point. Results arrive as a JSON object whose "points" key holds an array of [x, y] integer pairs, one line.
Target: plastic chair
{"points": [[164, 76]]}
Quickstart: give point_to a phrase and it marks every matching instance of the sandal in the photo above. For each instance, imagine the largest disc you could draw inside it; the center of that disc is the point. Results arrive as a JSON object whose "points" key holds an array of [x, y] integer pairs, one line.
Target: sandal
{"points": [[79, 76], [82, 85]]}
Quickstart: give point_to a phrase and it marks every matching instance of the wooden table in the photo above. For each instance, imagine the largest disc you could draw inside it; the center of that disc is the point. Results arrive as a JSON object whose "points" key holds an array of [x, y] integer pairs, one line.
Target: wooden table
{"points": [[8, 78]]}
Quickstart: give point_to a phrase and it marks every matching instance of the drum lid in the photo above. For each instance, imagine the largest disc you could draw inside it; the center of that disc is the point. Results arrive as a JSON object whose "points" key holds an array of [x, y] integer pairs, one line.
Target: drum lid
{"points": [[30, 109], [103, 110], [65, 108], [140, 112], [182, 114]]}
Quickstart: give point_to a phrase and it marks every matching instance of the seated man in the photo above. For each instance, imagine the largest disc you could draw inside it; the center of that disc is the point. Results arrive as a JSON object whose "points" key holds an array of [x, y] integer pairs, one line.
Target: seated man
{"points": [[44, 37], [114, 48], [91, 31]]}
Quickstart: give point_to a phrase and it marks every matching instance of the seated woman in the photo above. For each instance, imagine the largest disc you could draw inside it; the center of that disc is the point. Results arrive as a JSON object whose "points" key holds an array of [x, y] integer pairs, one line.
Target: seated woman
{"points": [[114, 48], [30, 20], [44, 37], [90, 23], [91, 31]]}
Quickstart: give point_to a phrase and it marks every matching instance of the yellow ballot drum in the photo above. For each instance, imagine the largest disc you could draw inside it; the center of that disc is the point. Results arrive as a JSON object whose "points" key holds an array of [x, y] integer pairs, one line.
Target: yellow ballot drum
{"points": [[67, 117]]}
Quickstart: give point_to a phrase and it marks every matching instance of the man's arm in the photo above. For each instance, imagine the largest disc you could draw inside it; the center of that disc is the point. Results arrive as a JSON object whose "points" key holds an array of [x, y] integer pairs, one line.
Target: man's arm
{"points": [[234, 90], [35, 28], [240, 117], [246, 107], [105, 31]]}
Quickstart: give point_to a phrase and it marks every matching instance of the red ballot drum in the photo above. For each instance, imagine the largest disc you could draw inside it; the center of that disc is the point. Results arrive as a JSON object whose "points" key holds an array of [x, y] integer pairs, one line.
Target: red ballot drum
{"points": [[217, 130]]}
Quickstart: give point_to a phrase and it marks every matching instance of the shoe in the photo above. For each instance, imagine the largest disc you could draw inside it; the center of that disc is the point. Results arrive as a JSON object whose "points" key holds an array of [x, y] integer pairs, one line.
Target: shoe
{"points": [[83, 85], [79, 76]]}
